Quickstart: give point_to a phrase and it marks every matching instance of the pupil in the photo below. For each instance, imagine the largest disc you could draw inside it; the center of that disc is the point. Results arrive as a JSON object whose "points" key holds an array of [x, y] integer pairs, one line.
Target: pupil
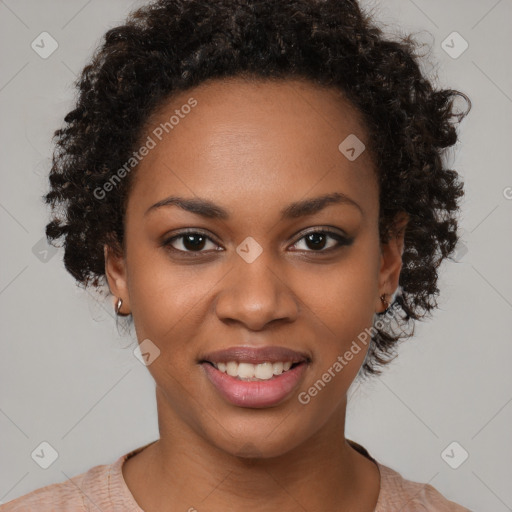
{"points": [[190, 245], [312, 237]]}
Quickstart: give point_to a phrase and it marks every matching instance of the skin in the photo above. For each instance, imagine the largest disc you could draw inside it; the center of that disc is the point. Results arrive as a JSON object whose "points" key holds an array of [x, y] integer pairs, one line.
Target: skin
{"points": [[252, 148]]}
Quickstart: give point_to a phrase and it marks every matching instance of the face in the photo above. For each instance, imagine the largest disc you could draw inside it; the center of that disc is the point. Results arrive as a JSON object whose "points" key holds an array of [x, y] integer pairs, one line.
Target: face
{"points": [[269, 250]]}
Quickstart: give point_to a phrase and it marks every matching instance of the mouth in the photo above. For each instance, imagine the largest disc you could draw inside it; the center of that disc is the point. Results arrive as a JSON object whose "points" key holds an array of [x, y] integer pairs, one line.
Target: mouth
{"points": [[255, 377]]}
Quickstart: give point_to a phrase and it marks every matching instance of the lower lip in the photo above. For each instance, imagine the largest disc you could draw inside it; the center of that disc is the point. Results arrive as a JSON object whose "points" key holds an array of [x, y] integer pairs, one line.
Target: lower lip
{"points": [[255, 394]]}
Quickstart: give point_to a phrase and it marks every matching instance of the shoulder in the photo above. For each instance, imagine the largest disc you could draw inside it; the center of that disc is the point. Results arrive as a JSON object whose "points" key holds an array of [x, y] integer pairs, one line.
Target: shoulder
{"points": [[397, 493], [101, 488], [76, 494]]}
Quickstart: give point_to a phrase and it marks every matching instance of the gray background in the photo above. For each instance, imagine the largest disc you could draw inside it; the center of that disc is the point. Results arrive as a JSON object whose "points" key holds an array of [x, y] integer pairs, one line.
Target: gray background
{"points": [[66, 378]]}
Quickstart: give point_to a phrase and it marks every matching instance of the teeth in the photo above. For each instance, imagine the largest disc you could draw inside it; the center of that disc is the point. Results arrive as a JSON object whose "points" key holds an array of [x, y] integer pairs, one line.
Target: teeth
{"points": [[278, 368], [264, 371], [232, 368], [248, 371]]}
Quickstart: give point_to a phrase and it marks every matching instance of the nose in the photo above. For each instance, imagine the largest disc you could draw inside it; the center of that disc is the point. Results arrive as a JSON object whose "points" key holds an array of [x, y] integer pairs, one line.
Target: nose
{"points": [[255, 294]]}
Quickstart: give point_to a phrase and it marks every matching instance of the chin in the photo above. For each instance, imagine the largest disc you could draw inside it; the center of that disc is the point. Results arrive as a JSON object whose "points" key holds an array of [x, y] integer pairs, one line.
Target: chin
{"points": [[250, 441]]}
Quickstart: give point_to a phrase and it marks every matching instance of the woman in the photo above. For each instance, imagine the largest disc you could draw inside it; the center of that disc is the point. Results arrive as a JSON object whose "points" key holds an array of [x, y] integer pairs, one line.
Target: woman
{"points": [[261, 185]]}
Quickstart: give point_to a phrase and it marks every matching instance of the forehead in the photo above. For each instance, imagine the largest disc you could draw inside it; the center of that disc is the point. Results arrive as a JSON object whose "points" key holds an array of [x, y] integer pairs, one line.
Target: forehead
{"points": [[257, 140]]}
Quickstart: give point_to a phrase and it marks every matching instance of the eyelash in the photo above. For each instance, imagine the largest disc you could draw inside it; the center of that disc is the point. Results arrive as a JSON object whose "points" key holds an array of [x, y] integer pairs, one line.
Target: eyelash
{"points": [[341, 240]]}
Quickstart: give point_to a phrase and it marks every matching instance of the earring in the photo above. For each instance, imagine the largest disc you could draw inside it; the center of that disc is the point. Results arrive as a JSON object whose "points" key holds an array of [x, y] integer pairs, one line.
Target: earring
{"points": [[118, 305], [385, 301]]}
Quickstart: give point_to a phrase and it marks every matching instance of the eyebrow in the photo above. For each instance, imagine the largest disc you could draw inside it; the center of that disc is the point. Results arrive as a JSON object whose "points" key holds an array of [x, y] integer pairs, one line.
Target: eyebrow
{"points": [[210, 210]]}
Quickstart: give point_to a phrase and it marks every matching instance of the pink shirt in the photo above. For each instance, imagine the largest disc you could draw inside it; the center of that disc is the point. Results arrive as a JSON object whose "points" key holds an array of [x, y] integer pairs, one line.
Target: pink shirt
{"points": [[103, 488]]}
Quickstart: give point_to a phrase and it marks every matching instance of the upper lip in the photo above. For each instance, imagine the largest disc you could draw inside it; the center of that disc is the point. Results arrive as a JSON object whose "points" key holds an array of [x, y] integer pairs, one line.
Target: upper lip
{"points": [[255, 355]]}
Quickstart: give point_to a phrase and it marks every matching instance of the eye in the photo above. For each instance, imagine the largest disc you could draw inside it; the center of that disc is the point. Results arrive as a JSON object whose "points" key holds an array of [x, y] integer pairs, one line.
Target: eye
{"points": [[317, 240], [189, 241]]}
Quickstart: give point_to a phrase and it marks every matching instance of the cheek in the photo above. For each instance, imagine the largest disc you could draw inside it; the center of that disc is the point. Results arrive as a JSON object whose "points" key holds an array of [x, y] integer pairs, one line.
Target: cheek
{"points": [[343, 336], [342, 308], [344, 296], [159, 292], [169, 302]]}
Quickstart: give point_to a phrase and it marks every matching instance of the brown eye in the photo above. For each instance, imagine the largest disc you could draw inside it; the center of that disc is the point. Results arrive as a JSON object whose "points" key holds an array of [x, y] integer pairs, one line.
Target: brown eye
{"points": [[188, 242], [317, 240]]}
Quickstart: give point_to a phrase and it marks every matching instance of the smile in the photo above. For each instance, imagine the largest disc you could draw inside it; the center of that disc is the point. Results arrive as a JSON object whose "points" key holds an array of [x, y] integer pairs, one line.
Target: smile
{"points": [[255, 377]]}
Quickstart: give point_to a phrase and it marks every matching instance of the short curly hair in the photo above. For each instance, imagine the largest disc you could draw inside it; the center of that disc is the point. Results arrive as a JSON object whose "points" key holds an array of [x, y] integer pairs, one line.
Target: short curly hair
{"points": [[173, 45]]}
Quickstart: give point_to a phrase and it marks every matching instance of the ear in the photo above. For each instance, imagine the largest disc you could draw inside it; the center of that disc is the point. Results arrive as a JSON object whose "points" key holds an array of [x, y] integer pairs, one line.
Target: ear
{"points": [[115, 272], [391, 258]]}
